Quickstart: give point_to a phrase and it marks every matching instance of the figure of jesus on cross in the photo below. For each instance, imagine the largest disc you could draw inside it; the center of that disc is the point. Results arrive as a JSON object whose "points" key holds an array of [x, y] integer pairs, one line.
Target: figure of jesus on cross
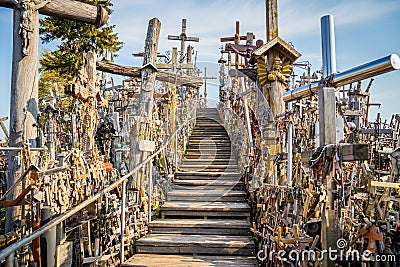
{"points": [[27, 8]]}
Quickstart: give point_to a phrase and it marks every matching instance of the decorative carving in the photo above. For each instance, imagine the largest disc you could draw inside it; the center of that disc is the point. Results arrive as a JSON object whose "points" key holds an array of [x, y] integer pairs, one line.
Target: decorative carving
{"points": [[26, 28]]}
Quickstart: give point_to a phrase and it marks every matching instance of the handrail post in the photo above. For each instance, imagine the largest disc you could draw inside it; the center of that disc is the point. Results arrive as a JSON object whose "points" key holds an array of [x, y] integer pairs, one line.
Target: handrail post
{"points": [[123, 201], [10, 260], [150, 188]]}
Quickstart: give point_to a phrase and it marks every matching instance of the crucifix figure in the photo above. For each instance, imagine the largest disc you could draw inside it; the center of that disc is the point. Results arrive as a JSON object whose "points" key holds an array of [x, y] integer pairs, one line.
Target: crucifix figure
{"points": [[183, 38], [26, 27], [236, 39]]}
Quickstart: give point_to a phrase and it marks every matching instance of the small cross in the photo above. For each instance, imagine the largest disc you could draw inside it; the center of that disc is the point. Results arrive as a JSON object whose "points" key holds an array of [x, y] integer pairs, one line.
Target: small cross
{"points": [[183, 38], [372, 237]]}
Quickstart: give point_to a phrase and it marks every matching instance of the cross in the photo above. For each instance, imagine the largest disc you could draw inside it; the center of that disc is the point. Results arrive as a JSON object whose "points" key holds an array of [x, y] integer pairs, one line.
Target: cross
{"points": [[243, 50], [205, 84], [236, 39], [24, 84], [183, 38]]}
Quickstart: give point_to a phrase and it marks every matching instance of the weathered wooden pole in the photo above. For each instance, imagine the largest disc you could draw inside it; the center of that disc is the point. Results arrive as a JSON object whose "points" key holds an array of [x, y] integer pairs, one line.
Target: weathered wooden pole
{"points": [[138, 136], [161, 75], [276, 87], [173, 103], [148, 72], [24, 95], [24, 81]]}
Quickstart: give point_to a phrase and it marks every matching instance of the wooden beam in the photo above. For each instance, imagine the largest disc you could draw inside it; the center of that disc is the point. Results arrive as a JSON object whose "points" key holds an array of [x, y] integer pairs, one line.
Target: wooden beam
{"points": [[71, 10], [163, 76]]}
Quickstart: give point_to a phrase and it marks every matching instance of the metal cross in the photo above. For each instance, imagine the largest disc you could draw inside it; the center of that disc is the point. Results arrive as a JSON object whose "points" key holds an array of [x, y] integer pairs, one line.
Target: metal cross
{"points": [[183, 38]]}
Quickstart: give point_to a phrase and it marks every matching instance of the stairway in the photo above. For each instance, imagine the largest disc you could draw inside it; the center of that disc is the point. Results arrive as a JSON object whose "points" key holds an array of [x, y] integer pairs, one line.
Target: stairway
{"points": [[205, 221]]}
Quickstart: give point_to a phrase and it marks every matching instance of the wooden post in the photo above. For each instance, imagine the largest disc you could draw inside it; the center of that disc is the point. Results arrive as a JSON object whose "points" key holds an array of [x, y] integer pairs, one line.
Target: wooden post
{"points": [[327, 135], [276, 88], [272, 19], [23, 103], [24, 83], [173, 101], [148, 72], [162, 76]]}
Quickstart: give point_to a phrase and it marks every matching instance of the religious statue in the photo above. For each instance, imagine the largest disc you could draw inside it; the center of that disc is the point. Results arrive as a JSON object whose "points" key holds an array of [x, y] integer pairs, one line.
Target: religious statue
{"points": [[27, 7]]}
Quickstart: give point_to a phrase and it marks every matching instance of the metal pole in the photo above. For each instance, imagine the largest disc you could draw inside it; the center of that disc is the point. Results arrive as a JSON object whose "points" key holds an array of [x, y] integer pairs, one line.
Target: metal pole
{"points": [[10, 260], [123, 201], [362, 72], [289, 149], [50, 239], [176, 151], [328, 45], [150, 188]]}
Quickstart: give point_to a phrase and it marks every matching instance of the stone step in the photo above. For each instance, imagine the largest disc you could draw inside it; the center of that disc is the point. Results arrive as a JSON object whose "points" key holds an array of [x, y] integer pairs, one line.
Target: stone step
{"points": [[201, 226], [154, 260], [206, 195], [205, 209], [195, 244]]}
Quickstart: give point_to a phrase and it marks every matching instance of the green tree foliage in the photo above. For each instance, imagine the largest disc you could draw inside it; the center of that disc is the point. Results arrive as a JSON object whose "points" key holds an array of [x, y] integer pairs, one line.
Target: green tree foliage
{"points": [[76, 38]]}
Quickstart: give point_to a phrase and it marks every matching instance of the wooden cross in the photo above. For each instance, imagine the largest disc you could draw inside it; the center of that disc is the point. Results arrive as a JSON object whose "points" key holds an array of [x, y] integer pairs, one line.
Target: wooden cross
{"points": [[205, 84], [372, 237], [183, 38], [24, 84], [236, 39]]}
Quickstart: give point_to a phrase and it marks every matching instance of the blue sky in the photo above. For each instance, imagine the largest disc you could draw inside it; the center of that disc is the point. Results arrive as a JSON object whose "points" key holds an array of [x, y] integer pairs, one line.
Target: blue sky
{"points": [[365, 30]]}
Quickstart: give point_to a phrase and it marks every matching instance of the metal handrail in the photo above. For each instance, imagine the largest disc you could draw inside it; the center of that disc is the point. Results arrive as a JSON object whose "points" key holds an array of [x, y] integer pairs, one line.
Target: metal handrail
{"points": [[48, 226]]}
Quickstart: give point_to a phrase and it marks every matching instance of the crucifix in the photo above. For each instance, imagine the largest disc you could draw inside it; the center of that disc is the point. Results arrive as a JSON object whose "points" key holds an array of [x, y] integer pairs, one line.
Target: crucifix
{"points": [[24, 84], [236, 39], [183, 38]]}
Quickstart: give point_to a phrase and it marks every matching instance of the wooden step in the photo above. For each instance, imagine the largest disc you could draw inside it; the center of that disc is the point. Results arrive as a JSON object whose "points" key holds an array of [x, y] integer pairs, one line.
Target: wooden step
{"points": [[207, 173], [154, 260], [209, 156], [209, 145], [198, 182], [204, 166], [201, 226], [208, 161], [209, 138], [206, 142], [206, 195], [195, 244], [205, 209]]}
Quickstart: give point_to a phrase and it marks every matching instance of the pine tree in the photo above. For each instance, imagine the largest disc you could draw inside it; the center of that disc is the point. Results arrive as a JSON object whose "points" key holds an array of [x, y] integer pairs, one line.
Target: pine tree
{"points": [[76, 38]]}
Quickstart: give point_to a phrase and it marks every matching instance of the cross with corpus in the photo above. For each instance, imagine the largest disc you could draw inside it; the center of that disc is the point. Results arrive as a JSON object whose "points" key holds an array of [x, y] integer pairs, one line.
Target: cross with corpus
{"points": [[183, 38], [237, 46], [24, 84]]}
